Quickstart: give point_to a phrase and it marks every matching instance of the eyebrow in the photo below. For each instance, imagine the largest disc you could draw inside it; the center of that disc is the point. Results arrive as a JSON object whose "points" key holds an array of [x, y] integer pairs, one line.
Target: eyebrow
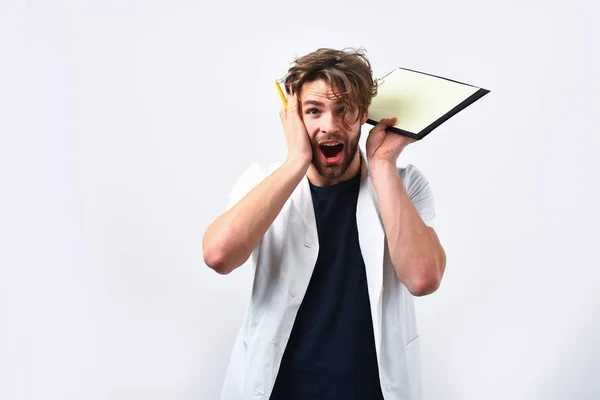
{"points": [[318, 103]]}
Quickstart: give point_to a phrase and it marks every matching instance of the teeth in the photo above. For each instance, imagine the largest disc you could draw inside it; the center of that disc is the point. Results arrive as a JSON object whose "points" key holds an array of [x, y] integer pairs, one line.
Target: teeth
{"points": [[330, 144]]}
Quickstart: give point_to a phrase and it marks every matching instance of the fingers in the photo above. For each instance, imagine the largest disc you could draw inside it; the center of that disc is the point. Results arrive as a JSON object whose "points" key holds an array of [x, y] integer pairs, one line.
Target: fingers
{"points": [[383, 124], [387, 122], [283, 112], [290, 117], [293, 108], [292, 105]]}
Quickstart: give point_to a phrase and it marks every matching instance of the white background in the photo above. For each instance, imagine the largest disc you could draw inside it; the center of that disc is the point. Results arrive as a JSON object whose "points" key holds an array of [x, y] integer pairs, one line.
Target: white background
{"points": [[124, 124]]}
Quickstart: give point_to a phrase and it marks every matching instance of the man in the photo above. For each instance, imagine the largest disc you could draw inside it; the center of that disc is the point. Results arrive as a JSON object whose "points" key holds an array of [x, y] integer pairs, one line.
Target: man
{"points": [[340, 241]]}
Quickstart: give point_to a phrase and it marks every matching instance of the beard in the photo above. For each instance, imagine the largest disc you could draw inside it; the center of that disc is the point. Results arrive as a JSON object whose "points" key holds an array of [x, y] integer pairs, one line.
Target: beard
{"points": [[348, 153]]}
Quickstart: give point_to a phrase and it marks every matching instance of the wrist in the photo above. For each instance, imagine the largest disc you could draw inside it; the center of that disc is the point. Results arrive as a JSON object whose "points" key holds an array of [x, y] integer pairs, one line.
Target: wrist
{"points": [[298, 163], [381, 165]]}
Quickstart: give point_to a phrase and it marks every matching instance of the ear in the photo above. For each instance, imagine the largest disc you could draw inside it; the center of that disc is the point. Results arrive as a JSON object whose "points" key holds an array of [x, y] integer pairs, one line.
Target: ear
{"points": [[364, 118]]}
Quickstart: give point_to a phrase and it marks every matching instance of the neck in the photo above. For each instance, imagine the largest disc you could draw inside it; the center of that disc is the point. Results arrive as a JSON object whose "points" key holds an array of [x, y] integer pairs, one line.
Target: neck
{"points": [[316, 179]]}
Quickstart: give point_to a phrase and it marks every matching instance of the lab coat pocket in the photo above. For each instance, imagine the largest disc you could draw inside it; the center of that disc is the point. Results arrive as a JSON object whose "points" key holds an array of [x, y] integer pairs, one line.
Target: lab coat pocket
{"points": [[413, 361]]}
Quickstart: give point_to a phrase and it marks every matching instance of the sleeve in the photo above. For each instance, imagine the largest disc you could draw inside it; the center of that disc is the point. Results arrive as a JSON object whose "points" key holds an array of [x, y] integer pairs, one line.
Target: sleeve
{"points": [[419, 191], [251, 177]]}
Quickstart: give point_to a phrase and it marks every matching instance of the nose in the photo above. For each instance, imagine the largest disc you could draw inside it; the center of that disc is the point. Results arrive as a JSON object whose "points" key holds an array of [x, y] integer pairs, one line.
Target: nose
{"points": [[330, 123]]}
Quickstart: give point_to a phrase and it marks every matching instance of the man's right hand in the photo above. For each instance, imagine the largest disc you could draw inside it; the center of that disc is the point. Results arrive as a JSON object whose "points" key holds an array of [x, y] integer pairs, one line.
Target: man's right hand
{"points": [[296, 136]]}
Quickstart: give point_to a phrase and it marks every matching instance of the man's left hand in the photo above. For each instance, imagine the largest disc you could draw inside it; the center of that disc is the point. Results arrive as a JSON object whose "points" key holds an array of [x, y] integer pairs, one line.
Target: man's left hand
{"points": [[384, 146]]}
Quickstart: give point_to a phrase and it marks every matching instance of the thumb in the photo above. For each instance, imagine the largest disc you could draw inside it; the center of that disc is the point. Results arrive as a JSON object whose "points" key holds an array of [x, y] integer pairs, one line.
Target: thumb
{"points": [[382, 125], [389, 121]]}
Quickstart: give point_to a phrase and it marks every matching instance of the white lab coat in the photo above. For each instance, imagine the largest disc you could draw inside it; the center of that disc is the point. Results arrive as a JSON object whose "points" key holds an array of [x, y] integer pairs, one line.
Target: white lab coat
{"points": [[283, 263]]}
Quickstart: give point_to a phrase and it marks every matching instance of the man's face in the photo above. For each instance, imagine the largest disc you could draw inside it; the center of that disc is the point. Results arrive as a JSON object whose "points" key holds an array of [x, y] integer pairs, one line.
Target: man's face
{"points": [[334, 147]]}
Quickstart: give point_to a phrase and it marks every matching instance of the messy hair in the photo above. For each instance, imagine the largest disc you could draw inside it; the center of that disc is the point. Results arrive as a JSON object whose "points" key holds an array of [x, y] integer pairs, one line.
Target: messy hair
{"points": [[347, 72]]}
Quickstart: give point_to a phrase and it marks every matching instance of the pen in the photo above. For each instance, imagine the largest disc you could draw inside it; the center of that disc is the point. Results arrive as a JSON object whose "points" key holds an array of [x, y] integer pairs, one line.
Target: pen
{"points": [[281, 94]]}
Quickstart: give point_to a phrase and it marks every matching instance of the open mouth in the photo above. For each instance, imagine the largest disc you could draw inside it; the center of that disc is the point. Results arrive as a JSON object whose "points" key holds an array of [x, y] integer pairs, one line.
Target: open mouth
{"points": [[332, 152]]}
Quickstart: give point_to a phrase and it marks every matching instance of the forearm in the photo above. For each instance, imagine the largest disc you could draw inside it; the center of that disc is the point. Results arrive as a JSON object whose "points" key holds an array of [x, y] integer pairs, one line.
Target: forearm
{"points": [[415, 251], [230, 239]]}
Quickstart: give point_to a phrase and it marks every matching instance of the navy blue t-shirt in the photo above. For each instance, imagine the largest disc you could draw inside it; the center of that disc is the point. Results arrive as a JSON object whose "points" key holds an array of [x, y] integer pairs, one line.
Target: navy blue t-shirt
{"points": [[331, 351]]}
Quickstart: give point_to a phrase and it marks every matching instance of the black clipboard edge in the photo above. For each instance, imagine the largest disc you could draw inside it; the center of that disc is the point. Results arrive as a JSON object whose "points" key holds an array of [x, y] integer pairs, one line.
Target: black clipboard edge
{"points": [[461, 106]]}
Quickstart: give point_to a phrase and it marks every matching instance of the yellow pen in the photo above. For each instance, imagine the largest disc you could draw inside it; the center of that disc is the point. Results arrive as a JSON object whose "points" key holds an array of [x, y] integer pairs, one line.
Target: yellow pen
{"points": [[281, 94]]}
